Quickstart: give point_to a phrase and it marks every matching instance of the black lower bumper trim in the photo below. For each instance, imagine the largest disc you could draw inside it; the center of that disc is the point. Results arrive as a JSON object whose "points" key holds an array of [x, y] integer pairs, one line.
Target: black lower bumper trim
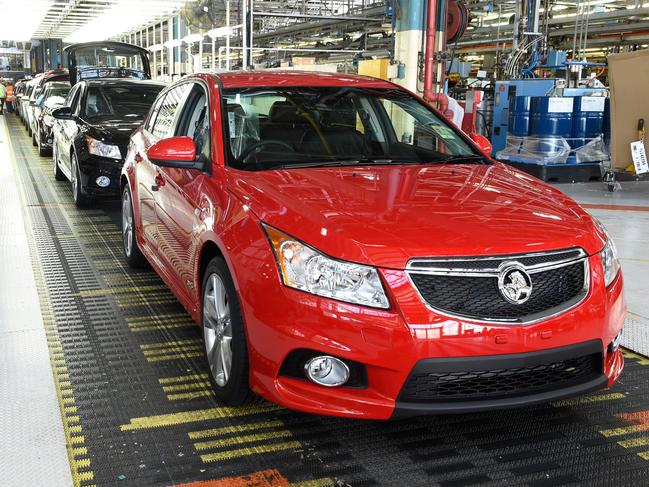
{"points": [[404, 409]]}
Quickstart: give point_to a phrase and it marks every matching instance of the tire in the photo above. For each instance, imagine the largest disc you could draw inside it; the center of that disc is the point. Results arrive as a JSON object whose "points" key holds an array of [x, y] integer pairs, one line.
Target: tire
{"points": [[223, 335], [132, 253], [34, 143], [80, 199], [58, 174]]}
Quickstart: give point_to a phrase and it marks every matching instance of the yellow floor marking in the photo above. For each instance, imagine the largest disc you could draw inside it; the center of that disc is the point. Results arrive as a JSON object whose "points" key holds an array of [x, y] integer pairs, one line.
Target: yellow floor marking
{"points": [[275, 423], [240, 440], [641, 360], [149, 320], [326, 482], [118, 290], [136, 329], [190, 395], [636, 428], [183, 378], [77, 452], [589, 399], [172, 350], [231, 454], [173, 419], [180, 343], [162, 358], [187, 387], [644, 455], [635, 442]]}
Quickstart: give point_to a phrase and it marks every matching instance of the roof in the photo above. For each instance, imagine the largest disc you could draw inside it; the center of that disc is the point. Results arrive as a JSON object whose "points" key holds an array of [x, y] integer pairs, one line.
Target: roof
{"points": [[122, 81], [233, 79]]}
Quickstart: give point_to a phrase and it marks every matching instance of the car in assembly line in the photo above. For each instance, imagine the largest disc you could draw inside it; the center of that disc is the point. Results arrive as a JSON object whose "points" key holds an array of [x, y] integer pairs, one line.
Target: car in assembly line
{"points": [[104, 106], [347, 251], [52, 97]]}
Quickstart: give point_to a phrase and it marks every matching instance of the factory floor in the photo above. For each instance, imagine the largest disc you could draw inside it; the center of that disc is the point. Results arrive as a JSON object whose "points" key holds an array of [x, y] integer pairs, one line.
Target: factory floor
{"points": [[103, 382]]}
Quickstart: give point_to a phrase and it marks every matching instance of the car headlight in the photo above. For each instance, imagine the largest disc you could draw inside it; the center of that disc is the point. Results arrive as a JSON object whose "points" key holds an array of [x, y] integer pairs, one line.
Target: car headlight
{"points": [[304, 268], [610, 262], [98, 148]]}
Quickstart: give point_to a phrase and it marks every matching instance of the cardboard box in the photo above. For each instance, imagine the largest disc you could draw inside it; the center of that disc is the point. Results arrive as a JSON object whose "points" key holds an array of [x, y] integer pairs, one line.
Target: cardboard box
{"points": [[629, 83]]}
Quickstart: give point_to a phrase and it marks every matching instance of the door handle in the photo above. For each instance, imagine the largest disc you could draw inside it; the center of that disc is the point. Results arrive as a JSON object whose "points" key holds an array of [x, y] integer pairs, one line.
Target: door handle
{"points": [[159, 181]]}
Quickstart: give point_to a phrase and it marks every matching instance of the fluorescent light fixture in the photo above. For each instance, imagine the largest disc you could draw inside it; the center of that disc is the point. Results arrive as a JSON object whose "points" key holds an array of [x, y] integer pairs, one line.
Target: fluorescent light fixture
{"points": [[123, 16], [173, 43], [193, 38], [156, 47], [21, 19], [220, 32]]}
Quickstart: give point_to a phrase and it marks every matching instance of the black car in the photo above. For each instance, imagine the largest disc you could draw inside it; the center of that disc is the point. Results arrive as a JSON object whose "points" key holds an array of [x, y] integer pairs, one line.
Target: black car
{"points": [[92, 131], [52, 97], [110, 96]]}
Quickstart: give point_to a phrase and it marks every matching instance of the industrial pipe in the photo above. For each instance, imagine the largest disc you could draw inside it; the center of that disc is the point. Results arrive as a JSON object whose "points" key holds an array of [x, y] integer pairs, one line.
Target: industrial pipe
{"points": [[429, 59]]}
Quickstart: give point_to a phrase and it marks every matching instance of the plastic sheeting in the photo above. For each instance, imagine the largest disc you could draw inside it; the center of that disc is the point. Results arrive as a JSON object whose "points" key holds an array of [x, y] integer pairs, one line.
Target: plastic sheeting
{"points": [[552, 150]]}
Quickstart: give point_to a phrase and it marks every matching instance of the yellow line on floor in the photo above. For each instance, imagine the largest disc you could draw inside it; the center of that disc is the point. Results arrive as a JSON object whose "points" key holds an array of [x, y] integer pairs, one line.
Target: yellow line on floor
{"points": [[636, 428], [183, 378], [187, 387], [180, 343], [589, 399], [324, 482], [240, 440], [191, 395], [117, 290], [635, 442], [232, 454], [273, 423], [644, 455], [182, 355], [173, 419]]}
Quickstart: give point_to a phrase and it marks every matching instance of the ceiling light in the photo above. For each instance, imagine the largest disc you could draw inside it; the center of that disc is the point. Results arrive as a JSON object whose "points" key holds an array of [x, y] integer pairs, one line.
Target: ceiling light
{"points": [[27, 16], [220, 32], [173, 43], [193, 38]]}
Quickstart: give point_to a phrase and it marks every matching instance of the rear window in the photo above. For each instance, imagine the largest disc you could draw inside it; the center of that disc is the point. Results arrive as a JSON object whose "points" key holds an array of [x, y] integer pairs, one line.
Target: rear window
{"points": [[119, 102]]}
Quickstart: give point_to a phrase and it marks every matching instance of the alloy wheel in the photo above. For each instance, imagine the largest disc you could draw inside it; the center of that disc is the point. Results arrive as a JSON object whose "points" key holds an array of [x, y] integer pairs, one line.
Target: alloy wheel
{"points": [[217, 329], [127, 223]]}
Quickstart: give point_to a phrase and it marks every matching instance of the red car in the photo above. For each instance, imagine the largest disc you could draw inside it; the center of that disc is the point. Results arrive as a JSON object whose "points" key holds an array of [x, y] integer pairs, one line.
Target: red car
{"points": [[349, 252]]}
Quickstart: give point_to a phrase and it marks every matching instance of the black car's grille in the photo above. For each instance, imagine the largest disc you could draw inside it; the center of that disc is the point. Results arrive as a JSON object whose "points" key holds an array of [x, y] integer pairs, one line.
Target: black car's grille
{"points": [[500, 383], [479, 297]]}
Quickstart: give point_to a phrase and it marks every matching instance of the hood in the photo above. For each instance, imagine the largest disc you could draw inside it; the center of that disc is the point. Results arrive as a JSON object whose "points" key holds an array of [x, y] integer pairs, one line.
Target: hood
{"points": [[386, 215], [116, 132]]}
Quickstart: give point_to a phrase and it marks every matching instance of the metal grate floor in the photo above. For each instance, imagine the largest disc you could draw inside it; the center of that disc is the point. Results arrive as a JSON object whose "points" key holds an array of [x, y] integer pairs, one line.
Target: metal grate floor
{"points": [[137, 408]]}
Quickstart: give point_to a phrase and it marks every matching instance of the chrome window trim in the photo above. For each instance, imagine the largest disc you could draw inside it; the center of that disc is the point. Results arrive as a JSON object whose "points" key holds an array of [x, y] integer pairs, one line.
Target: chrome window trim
{"points": [[507, 259]]}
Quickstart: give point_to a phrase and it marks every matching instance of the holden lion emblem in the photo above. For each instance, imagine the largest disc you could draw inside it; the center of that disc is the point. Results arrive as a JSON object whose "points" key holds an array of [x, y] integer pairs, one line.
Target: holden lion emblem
{"points": [[514, 283]]}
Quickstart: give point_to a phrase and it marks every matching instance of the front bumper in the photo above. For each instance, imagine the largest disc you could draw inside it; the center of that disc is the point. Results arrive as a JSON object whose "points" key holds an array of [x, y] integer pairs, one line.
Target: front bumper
{"points": [[390, 343], [91, 167]]}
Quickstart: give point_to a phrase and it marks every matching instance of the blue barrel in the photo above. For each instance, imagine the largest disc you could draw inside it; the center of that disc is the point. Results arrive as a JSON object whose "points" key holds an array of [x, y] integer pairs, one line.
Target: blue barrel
{"points": [[587, 119], [551, 116], [519, 116]]}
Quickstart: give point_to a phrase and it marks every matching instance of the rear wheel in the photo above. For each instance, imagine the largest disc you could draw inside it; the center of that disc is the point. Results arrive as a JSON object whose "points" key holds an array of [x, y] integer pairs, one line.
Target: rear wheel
{"points": [[132, 253], [226, 349], [80, 199]]}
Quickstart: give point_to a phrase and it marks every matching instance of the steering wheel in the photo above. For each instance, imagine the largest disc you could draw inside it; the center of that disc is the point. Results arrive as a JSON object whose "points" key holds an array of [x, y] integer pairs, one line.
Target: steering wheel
{"points": [[258, 145]]}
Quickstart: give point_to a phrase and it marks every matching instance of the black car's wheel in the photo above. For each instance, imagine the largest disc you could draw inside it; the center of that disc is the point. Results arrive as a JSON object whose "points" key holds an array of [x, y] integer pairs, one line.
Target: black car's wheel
{"points": [[58, 174], [34, 143], [132, 253], [42, 151], [80, 199], [226, 349]]}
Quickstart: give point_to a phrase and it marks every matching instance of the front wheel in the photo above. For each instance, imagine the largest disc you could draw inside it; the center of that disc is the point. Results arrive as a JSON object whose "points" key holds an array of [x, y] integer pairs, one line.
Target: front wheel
{"points": [[80, 199], [132, 252], [58, 174], [226, 349]]}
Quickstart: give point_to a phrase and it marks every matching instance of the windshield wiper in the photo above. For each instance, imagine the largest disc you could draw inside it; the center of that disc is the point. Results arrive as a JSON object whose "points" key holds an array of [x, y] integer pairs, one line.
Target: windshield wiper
{"points": [[461, 158], [361, 161]]}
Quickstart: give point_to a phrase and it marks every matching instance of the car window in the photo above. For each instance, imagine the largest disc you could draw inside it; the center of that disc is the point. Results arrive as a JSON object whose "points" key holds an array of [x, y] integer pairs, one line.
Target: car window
{"points": [[72, 96], [194, 121], [278, 127], [123, 102], [153, 114], [164, 124]]}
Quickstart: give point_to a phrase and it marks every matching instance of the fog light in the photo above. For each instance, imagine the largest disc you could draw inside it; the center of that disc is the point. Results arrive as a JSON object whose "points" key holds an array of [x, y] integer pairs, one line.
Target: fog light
{"points": [[615, 344], [327, 371], [103, 181]]}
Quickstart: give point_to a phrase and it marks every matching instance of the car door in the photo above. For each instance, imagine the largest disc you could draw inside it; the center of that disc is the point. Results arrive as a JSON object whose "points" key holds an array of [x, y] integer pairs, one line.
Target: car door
{"points": [[178, 207], [159, 125], [67, 130]]}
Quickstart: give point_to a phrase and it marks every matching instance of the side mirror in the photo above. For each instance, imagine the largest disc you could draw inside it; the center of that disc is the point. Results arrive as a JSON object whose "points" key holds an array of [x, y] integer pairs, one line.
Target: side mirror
{"points": [[482, 142], [63, 113], [175, 152]]}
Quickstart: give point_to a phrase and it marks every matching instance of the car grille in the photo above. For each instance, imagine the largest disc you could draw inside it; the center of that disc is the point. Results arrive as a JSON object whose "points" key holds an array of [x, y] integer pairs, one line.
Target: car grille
{"points": [[501, 383], [465, 288]]}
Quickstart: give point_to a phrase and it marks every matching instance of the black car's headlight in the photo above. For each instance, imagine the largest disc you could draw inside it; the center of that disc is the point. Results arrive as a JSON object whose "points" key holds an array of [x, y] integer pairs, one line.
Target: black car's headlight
{"points": [[608, 254], [99, 148], [304, 268]]}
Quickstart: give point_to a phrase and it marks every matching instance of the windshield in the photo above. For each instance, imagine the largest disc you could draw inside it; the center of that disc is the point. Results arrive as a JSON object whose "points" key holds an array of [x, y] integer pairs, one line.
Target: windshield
{"points": [[108, 57], [292, 127], [120, 102]]}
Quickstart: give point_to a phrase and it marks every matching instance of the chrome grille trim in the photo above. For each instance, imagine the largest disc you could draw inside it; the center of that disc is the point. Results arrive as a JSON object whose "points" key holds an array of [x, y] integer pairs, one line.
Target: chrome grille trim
{"points": [[448, 270]]}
